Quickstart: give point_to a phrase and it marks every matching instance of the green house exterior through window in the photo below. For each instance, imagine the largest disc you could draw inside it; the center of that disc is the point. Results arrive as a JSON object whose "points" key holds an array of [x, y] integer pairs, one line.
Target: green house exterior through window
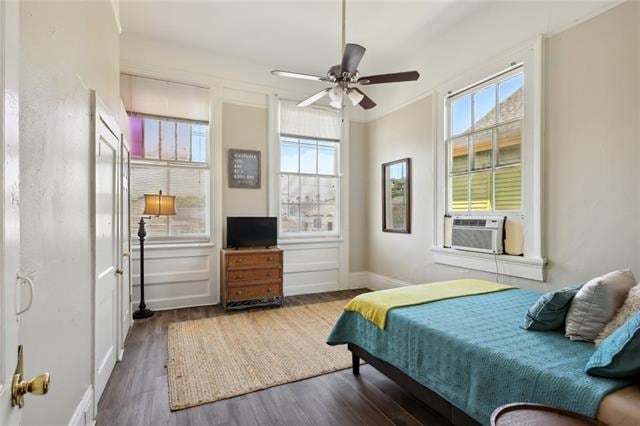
{"points": [[484, 146]]}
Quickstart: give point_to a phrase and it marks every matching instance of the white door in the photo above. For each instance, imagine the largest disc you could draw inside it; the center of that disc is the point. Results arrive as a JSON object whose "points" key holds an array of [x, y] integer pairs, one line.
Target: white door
{"points": [[9, 207], [124, 285], [107, 146]]}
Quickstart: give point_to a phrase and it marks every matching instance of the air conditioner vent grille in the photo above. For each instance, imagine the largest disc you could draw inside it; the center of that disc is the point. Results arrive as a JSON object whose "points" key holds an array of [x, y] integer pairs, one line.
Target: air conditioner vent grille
{"points": [[473, 238], [470, 222]]}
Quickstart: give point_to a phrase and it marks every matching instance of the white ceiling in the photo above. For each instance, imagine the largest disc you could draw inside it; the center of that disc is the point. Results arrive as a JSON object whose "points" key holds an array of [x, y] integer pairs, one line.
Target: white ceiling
{"points": [[440, 39], [296, 35]]}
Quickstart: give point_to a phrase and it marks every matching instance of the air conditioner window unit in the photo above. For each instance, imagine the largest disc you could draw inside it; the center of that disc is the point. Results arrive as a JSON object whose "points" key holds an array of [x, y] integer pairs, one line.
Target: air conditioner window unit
{"points": [[484, 235]]}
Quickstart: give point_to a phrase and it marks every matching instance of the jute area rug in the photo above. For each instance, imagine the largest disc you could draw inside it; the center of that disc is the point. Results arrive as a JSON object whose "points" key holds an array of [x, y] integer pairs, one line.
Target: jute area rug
{"points": [[230, 355]]}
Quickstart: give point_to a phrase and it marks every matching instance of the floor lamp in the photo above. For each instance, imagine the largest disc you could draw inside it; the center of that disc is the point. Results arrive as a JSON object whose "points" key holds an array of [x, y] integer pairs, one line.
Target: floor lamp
{"points": [[155, 205]]}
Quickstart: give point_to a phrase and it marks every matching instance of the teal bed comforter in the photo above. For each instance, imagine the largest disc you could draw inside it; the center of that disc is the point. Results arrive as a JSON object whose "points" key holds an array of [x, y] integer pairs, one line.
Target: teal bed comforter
{"points": [[472, 352]]}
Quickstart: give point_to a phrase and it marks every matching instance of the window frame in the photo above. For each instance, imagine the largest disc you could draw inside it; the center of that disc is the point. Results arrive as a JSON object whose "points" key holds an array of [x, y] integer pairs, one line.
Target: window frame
{"points": [[471, 90], [206, 237], [336, 176], [308, 239], [532, 264]]}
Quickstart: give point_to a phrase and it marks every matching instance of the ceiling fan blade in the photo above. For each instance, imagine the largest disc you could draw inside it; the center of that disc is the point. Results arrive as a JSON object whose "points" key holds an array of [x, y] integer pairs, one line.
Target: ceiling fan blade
{"points": [[353, 54], [302, 76], [389, 78], [366, 102], [314, 98]]}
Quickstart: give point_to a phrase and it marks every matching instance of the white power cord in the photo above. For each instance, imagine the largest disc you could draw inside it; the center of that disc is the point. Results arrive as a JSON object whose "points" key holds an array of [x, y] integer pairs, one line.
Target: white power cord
{"points": [[495, 259]]}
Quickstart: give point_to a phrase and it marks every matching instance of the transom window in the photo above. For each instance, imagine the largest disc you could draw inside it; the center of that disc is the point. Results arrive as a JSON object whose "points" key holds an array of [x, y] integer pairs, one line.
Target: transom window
{"points": [[484, 135], [170, 155]]}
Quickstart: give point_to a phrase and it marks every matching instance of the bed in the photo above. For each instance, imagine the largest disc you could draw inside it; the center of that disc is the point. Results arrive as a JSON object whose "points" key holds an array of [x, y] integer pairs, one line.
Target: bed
{"points": [[466, 356]]}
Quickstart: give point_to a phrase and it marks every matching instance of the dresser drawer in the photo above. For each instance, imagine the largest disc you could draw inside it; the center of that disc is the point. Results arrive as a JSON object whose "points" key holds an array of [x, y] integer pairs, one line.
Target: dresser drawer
{"points": [[239, 260], [253, 292], [236, 277]]}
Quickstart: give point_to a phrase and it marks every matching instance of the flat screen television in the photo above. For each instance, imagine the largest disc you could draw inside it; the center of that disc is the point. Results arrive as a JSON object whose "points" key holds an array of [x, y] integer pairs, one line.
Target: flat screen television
{"points": [[252, 232]]}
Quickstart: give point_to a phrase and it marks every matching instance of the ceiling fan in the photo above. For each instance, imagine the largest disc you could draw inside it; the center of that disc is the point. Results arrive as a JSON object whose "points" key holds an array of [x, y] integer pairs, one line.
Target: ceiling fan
{"points": [[345, 77]]}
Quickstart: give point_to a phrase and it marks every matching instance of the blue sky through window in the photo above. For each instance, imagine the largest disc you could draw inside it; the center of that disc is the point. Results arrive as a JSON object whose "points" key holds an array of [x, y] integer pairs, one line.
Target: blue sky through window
{"points": [[461, 115], [510, 86], [484, 101]]}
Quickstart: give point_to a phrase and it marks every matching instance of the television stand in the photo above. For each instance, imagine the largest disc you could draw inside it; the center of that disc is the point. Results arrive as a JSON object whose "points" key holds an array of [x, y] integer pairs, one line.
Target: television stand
{"points": [[250, 277]]}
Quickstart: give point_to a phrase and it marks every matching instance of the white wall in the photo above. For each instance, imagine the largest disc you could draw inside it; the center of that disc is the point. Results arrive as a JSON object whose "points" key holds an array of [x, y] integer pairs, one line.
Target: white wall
{"points": [[592, 147], [66, 48], [591, 150], [358, 196]]}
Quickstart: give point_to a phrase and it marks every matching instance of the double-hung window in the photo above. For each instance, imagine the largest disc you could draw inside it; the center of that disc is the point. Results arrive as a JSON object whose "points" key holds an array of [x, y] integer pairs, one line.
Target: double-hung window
{"points": [[170, 155], [484, 134], [309, 187]]}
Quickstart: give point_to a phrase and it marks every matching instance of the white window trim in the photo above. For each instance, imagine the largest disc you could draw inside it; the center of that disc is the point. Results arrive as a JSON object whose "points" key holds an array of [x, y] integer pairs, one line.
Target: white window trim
{"points": [[531, 265], [274, 181]]}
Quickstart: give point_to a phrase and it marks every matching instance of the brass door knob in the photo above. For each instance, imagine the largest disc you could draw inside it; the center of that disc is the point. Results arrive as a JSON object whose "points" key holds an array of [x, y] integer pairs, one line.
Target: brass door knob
{"points": [[39, 385]]}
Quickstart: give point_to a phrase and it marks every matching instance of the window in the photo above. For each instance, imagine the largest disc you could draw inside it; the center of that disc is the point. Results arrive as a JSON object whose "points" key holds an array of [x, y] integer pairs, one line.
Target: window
{"points": [[170, 155], [484, 135], [309, 163]]}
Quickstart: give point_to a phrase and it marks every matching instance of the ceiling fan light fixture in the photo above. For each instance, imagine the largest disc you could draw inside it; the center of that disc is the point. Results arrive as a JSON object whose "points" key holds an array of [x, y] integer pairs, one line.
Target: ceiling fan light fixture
{"points": [[355, 96], [336, 94], [336, 103]]}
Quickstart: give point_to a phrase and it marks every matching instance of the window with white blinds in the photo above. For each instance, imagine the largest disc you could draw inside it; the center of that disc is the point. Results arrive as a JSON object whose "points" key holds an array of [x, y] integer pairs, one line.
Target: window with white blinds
{"points": [[169, 154], [309, 171]]}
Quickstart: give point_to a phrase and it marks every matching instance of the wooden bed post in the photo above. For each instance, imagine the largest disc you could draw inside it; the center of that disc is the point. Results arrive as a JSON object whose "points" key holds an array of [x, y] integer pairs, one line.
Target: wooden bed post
{"points": [[355, 359]]}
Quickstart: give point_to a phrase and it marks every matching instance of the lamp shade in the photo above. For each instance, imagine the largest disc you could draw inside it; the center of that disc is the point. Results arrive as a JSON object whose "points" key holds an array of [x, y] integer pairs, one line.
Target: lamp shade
{"points": [[159, 205]]}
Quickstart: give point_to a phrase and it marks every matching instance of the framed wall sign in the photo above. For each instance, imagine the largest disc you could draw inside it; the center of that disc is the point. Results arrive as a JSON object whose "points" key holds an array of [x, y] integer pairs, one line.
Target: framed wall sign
{"points": [[244, 168], [396, 196]]}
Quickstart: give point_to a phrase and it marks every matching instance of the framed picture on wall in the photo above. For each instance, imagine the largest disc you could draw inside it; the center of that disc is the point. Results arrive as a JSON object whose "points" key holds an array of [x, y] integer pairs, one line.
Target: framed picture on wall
{"points": [[244, 168], [396, 196]]}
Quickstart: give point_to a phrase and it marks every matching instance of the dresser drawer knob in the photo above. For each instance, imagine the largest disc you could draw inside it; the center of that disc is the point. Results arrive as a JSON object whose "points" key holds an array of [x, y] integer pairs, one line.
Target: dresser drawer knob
{"points": [[268, 274], [239, 260], [269, 259], [269, 290], [239, 276], [239, 292]]}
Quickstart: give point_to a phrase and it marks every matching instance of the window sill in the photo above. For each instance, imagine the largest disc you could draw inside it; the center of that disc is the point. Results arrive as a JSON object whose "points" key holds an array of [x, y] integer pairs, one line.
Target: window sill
{"points": [[169, 246], [531, 268], [293, 241]]}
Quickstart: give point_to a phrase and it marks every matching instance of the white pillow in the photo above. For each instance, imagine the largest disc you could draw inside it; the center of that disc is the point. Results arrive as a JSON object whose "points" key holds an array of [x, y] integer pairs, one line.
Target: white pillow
{"points": [[630, 307], [596, 303]]}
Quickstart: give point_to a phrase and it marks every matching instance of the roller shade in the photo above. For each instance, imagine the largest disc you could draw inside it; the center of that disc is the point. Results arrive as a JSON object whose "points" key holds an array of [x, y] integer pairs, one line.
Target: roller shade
{"points": [[164, 98], [310, 122]]}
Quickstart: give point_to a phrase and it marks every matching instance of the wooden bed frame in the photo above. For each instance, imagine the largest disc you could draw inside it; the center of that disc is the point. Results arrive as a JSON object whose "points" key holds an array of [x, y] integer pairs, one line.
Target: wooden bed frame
{"points": [[437, 403]]}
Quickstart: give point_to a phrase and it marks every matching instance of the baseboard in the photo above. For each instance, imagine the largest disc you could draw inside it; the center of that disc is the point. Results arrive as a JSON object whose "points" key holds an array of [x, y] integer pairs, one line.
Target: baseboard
{"points": [[358, 279], [293, 290], [373, 281], [83, 415]]}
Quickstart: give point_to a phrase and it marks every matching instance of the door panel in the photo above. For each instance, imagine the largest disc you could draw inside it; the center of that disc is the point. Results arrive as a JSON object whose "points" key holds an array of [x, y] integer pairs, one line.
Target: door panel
{"points": [[9, 206], [106, 252], [124, 285]]}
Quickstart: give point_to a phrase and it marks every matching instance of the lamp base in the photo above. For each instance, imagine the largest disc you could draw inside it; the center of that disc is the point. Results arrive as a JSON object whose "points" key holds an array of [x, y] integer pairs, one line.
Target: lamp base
{"points": [[142, 313]]}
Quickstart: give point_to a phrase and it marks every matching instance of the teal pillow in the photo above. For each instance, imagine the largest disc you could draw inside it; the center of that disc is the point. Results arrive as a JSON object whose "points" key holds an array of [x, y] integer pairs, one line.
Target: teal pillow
{"points": [[619, 354], [550, 310]]}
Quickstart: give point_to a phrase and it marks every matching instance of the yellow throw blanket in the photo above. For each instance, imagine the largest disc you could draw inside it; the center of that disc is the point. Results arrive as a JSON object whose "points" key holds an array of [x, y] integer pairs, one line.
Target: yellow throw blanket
{"points": [[376, 305]]}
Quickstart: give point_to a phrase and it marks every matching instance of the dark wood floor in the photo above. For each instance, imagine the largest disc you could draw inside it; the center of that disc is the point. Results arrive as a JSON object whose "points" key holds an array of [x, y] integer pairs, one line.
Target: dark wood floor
{"points": [[137, 390]]}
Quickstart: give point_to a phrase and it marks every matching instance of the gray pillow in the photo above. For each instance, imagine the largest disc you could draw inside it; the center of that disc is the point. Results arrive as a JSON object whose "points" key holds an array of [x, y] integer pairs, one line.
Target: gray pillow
{"points": [[596, 303]]}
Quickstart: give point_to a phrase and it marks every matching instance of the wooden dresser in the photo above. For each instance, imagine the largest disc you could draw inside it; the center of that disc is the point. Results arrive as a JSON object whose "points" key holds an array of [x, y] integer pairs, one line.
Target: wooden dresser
{"points": [[250, 277]]}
